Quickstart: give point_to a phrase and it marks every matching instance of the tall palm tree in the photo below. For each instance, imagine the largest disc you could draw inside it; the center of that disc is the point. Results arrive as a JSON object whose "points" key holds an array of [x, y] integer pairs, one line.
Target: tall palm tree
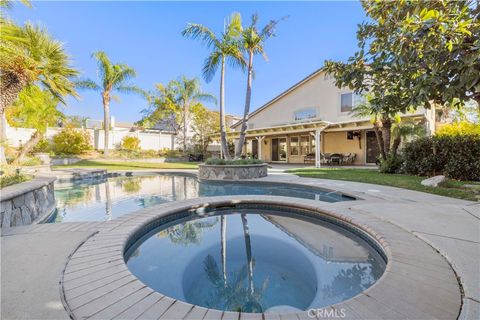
{"points": [[253, 41], [189, 93], [224, 48], [30, 55], [113, 78]]}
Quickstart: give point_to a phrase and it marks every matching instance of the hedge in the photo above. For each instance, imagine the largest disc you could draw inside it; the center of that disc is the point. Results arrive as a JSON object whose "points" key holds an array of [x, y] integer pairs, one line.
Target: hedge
{"points": [[457, 156]]}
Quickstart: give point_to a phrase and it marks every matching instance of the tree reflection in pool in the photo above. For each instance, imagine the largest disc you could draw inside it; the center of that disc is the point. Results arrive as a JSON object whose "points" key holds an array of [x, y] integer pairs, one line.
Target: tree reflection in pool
{"points": [[99, 200], [255, 260]]}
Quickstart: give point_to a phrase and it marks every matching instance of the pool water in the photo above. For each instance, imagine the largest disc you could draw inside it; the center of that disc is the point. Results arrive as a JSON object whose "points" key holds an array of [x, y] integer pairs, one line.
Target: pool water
{"points": [[255, 260], [113, 197]]}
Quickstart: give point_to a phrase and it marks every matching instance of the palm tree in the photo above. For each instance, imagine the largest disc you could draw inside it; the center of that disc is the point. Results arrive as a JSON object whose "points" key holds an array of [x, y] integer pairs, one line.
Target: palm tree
{"points": [[113, 77], [253, 41], [34, 108], [29, 55], [188, 94], [224, 48]]}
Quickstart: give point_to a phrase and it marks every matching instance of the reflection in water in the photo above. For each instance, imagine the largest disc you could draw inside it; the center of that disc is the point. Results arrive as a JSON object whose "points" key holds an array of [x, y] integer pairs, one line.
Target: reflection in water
{"points": [[255, 261], [98, 200]]}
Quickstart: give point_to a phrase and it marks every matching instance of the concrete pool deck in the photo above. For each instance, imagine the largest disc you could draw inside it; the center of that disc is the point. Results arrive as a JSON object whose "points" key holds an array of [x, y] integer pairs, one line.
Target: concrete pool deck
{"points": [[39, 253]]}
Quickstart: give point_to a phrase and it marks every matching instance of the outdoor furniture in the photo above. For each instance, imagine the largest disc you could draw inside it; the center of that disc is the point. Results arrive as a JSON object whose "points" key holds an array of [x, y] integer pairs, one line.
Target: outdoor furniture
{"points": [[195, 157], [325, 158], [336, 158], [348, 158], [309, 158]]}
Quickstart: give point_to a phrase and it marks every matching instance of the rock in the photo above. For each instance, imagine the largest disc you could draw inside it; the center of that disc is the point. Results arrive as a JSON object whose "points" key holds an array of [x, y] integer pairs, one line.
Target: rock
{"points": [[434, 181], [7, 213]]}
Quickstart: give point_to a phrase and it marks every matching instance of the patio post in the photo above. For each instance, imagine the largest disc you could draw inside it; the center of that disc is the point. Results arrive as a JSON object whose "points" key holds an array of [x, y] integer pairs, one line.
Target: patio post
{"points": [[259, 139], [317, 148]]}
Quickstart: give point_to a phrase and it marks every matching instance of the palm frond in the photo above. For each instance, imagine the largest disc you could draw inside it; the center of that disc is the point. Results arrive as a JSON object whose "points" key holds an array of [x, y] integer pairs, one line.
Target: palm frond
{"points": [[87, 84], [210, 66], [204, 34], [132, 89], [233, 26]]}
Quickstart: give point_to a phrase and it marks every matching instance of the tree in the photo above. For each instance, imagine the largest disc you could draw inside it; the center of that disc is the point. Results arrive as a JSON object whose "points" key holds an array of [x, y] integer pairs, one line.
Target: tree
{"points": [[171, 106], [29, 55], [189, 93], [113, 78], [411, 54], [34, 108], [225, 47], [205, 123], [253, 41]]}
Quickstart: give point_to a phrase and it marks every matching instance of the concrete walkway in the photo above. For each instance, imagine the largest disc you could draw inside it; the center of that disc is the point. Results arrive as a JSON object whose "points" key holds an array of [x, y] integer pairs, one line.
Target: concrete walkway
{"points": [[37, 254]]}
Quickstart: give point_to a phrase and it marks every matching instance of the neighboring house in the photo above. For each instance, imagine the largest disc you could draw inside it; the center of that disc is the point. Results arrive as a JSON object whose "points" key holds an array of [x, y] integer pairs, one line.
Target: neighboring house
{"points": [[313, 118]]}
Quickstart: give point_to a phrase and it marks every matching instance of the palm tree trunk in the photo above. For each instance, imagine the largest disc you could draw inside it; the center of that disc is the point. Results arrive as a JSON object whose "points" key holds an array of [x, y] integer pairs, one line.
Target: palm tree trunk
{"points": [[108, 202], [223, 132], [379, 137], [27, 147], [106, 122], [185, 115], [386, 132], [246, 111], [3, 137], [11, 84]]}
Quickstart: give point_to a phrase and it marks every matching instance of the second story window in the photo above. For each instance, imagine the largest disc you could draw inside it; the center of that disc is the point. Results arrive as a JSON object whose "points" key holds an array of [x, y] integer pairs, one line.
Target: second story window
{"points": [[346, 102], [305, 114]]}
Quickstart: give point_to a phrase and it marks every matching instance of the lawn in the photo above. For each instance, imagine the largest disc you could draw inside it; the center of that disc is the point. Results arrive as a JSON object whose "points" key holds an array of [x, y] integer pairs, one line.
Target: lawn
{"points": [[131, 165], [453, 188]]}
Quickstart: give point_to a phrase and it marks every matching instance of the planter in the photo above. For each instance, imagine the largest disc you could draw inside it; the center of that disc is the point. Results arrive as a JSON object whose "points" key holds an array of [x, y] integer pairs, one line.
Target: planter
{"points": [[65, 161], [27, 202], [44, 157], [232, 172]]}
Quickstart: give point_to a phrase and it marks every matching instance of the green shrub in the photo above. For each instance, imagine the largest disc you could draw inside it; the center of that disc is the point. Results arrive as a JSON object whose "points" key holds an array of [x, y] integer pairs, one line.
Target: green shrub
{"points": [[456, 156], [71, 141], [238, 162], [42, 146], [130, 143], [393, 164], [459, 128], [10, 179], [169, 153]]}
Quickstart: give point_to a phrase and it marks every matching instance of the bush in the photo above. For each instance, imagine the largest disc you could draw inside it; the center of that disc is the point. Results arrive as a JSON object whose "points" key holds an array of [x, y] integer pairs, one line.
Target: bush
{"points": [[42, 146], [10, 179], [71, 141], [459, 128], [238, 162], [130, 143], [456, 156], [393, 164]]}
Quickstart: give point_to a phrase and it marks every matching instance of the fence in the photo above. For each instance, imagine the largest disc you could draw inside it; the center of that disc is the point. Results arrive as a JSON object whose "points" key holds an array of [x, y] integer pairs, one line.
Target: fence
{"points": [[148, 140]]}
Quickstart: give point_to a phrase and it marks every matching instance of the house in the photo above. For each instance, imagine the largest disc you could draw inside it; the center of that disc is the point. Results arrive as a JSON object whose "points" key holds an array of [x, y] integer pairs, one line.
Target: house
{"points": [[313, 117]]}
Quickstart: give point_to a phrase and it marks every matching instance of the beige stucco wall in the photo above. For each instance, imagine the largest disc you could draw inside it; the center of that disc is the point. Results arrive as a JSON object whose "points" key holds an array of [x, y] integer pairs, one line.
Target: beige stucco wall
{"points": [[318, 92], [337, 142]]}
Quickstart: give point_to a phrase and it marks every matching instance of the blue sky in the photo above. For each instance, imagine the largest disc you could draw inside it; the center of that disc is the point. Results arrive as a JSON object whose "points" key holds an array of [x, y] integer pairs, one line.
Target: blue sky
{"points": [[146, 35]]}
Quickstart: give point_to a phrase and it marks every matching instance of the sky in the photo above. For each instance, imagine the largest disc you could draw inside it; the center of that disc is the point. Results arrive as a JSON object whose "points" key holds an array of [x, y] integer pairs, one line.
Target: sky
{"points": [[147, 36]]}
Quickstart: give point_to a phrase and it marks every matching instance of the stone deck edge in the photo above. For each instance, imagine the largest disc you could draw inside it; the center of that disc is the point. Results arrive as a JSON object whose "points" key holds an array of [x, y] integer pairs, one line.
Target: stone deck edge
{"points": [[417, 283]]}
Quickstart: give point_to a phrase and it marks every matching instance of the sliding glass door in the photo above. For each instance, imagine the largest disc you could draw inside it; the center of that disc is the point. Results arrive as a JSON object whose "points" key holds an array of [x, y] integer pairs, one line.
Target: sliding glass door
{"points": [[279, 149]]}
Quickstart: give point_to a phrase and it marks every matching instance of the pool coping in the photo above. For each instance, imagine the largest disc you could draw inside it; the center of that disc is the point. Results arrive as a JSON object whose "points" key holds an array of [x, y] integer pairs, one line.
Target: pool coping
{"points": [[417, 283]]}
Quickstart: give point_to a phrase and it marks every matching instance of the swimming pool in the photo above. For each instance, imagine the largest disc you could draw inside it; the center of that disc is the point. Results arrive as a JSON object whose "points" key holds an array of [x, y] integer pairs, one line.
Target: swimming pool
{"points": [[107, 199], [255, 260]]}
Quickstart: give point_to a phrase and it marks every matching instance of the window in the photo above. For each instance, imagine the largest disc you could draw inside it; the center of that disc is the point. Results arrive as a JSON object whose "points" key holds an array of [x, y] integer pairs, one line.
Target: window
{"points": [[346, 102], [304, 145], [294, 146], [310, 113]]}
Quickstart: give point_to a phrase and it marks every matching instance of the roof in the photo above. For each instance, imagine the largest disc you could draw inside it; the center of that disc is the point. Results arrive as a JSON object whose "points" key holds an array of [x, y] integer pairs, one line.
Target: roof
{"points": [[284, 93]]}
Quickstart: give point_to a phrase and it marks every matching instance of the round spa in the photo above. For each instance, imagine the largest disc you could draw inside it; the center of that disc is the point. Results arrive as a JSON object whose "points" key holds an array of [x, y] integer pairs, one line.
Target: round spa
{"points": [[256, 259]]}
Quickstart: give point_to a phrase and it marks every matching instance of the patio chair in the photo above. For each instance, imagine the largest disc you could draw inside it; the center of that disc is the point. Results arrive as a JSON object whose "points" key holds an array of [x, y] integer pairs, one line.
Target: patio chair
{"points": [[336, 158], [309, 158], [325, 158], [348, 158]]}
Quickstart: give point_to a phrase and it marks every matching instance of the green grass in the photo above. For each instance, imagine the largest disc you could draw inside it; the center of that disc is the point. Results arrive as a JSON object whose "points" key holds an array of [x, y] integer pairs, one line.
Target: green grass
{"points": [[130, 165], [453, 188]]}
